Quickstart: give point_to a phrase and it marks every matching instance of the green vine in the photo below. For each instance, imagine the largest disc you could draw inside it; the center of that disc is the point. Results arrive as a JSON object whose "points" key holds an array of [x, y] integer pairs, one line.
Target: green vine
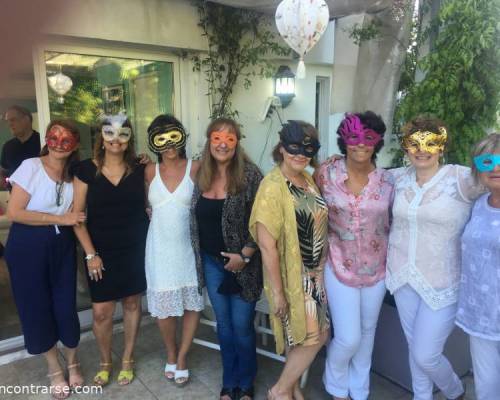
{"points": [[240, 43], [364, 32], [359, 33], [461, 77]]}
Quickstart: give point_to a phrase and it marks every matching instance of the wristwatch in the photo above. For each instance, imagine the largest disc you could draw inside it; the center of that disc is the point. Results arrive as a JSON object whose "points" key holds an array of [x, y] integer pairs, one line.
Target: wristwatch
{"points": [[245, 258], [89, 257]]}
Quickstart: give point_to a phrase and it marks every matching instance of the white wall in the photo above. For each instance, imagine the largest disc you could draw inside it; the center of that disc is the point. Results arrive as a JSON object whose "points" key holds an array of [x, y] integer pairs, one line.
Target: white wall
{"points": [[323, 52], [345, 67], [172, 24], [251, 102], [168, 23]]}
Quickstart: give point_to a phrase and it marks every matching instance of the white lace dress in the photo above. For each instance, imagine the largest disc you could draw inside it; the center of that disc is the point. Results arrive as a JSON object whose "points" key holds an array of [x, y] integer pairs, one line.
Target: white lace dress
{"points": [[170, 262], [424, 241]]}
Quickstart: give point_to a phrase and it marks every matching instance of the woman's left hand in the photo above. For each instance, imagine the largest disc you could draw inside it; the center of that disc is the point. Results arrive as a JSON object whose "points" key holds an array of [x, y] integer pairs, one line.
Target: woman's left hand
{"points": [[235, 263], [144, 158]]}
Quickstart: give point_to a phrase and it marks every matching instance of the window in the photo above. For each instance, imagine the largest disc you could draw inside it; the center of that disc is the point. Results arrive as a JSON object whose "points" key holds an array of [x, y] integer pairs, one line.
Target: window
{"points": [[107, 85]]}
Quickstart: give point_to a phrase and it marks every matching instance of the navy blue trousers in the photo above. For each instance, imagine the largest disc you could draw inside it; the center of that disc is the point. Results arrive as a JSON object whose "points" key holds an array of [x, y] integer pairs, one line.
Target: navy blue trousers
{"points": [[42, 267]]}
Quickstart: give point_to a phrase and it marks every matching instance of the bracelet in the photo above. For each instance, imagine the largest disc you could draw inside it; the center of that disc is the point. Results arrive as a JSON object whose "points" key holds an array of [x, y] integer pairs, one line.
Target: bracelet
{"points": [[89, 257], [245, 258]]}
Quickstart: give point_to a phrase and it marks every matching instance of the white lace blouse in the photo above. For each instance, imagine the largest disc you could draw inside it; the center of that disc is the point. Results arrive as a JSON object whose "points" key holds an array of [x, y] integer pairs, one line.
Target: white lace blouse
{"points": [[424, 241]]}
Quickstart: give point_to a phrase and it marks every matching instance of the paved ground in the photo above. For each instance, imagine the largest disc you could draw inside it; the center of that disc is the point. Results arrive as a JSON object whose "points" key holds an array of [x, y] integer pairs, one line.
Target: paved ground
{"points": [[205, 374]]}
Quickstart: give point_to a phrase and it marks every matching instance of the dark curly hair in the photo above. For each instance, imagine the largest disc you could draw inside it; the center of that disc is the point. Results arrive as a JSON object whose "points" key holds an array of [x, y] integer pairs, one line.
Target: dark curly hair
{"points": [[167, 119], [370, 120]]}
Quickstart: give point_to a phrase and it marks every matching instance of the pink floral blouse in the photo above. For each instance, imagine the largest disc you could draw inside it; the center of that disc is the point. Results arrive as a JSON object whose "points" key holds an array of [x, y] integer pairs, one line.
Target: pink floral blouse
{"points": [[358, 226]]}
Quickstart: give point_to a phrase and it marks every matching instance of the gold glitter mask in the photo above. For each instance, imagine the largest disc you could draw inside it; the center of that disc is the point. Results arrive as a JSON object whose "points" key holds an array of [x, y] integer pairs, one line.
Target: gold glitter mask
{"points": [[425, 141], [164, 137]]}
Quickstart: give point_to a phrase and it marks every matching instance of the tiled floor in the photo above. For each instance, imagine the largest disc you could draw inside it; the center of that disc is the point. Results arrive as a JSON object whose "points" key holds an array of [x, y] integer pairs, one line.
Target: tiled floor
{"points": [[205, 374]]}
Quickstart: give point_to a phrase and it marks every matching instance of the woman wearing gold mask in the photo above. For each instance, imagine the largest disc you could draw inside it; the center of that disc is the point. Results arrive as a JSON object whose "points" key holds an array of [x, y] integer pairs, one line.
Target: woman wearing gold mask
{"points": [[431, 207], [173, 284]]}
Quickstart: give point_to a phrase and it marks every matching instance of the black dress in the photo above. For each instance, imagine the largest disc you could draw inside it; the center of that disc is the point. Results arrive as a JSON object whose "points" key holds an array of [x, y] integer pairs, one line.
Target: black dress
{"points": [[117, 223]]}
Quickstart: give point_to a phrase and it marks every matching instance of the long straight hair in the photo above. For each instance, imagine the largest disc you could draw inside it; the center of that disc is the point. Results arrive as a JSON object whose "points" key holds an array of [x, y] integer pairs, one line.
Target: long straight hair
{"points": [[129, 155], [71, 126], [236, 169]]}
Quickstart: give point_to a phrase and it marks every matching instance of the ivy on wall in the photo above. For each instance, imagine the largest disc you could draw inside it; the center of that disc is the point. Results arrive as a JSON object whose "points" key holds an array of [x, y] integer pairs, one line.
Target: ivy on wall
{"points": [[240, 44], [461, 73]]}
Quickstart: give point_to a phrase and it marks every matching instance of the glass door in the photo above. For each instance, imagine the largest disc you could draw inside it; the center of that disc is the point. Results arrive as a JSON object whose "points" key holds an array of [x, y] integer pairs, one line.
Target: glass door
{"points": [[102, 81], [107, 85]]}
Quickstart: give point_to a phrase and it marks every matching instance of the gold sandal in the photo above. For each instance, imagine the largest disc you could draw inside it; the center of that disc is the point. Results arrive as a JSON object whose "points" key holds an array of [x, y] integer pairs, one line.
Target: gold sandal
{"points": [[59, 391], [79, 383], [102, 377], [126, 376]]}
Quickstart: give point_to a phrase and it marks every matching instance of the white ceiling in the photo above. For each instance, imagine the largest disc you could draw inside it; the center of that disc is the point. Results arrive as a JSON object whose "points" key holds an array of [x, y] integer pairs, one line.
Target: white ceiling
{"points": [[338, 8]]}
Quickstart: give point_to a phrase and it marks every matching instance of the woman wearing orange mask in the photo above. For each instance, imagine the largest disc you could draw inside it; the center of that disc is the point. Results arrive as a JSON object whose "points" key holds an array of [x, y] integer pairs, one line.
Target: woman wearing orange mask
{"points": [[226, 255]]}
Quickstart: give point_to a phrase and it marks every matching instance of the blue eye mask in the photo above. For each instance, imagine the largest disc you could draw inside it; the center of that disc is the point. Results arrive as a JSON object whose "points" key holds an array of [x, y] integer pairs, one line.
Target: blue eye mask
{"points": [[486, 162]]}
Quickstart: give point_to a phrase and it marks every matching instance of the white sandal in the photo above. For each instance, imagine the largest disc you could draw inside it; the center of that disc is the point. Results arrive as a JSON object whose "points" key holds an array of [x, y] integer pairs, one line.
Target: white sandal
{"points": [[170, 369], [181, 377]]}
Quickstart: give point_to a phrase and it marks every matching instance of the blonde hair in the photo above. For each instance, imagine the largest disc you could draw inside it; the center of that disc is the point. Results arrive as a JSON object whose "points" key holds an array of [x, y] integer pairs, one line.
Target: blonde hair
{"points": [[489, 144], [236, 168]]}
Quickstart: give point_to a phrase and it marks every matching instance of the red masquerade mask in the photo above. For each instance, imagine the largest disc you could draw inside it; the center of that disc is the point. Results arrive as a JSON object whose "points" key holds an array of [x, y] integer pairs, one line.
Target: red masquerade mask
{"points": [[61, 139]]}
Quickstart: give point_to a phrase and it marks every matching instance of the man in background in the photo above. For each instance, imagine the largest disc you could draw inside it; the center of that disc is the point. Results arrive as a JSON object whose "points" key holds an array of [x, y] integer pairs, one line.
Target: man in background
{"points": [[25, 143]]}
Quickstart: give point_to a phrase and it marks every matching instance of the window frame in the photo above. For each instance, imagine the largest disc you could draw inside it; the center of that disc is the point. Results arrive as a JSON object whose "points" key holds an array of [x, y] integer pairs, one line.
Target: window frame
{"points": [[96, 48]]}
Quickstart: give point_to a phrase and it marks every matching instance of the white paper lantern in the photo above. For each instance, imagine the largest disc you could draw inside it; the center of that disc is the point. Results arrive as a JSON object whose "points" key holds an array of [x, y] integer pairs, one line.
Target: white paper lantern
{"points": [[301, 24], [61, 84]]}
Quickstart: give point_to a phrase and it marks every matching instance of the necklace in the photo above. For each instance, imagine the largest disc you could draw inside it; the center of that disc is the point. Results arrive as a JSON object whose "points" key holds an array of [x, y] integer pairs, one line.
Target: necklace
{"points": [[302, 185]]}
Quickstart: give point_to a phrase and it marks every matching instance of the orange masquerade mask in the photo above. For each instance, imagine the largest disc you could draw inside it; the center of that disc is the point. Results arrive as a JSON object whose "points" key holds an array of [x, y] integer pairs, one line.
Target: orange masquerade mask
{"points": [[228, 138]]}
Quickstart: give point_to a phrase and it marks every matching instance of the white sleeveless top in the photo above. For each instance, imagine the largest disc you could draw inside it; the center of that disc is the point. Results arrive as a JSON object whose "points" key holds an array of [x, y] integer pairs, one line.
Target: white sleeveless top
{"points": [[170, 261]]}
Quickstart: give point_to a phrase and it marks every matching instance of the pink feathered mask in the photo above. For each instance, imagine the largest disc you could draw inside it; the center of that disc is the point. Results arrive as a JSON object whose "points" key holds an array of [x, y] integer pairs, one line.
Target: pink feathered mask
{"points": [[354, 133]]}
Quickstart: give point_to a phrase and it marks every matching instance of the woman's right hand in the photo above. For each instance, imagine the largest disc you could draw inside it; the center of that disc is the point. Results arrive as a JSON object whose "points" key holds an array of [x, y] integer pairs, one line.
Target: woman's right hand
{"points": [[95, 268], [72, 218], [280, 305]]}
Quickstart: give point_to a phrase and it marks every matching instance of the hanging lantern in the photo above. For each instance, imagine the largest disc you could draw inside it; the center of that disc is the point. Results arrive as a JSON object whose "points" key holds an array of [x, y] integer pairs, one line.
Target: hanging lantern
{"points": [[301, 24], [61, 84], [284, 85]]}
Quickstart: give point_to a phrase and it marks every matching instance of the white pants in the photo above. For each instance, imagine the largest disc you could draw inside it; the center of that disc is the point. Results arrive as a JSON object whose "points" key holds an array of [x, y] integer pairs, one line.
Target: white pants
{"points": [[486, 367], [354, 315], [426, 331]]}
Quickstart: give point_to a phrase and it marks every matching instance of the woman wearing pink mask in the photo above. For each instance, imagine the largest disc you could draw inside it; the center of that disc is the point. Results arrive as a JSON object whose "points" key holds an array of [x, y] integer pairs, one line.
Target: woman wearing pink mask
{"points": [[40, 253], [358, 195]]}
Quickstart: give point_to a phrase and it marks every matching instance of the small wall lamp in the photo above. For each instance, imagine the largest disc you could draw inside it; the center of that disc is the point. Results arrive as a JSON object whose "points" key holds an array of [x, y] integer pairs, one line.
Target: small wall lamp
{"points": [[284, 85]]}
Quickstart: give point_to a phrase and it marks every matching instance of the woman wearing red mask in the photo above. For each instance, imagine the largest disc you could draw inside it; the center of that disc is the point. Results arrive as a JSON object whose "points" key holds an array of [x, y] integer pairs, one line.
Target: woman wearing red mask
{"points": [[44, 277]]}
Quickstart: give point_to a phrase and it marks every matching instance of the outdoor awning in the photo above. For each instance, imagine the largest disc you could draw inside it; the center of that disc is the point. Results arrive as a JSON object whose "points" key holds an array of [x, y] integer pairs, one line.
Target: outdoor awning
{"points": [[338, 8]]}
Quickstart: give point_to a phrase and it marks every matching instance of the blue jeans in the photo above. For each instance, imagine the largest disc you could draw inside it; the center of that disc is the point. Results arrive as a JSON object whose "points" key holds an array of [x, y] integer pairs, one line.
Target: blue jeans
{"points": [[235, 329]]}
